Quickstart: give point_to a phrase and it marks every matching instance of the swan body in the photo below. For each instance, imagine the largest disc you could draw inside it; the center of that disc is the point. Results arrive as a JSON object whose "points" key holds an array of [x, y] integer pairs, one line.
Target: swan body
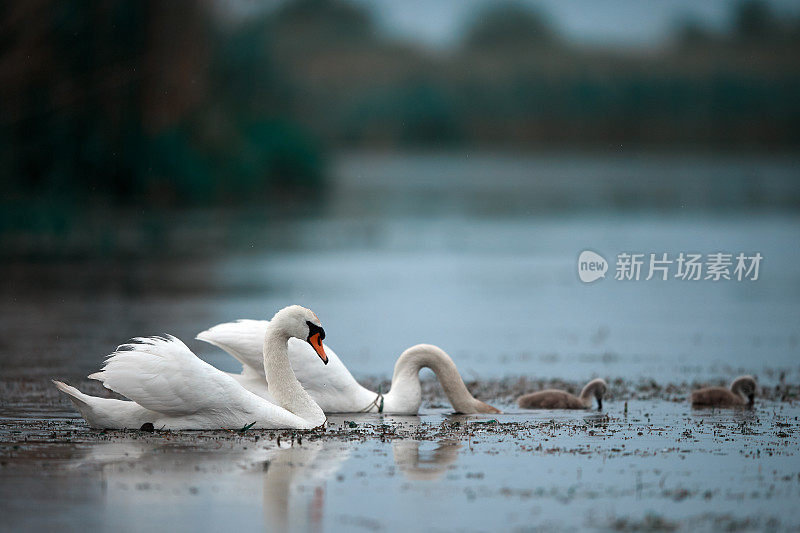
{"points": [[560, 399], [335, 390], [741, 394], [172, 388]]}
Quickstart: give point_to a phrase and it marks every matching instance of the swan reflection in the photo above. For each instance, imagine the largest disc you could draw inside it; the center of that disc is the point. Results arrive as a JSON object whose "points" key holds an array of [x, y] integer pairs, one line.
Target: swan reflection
{"points": [[596, 420], [285, 487], [287, 482], [426, 465], [295, 484], [430, 463]]}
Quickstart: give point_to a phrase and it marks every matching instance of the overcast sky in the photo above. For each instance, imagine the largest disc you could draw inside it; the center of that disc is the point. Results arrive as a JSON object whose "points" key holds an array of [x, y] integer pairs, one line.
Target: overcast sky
{"points": [[440, 23]]}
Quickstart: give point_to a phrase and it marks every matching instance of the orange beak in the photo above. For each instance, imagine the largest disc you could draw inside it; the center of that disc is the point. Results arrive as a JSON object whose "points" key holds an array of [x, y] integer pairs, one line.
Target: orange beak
{"points": [[316, 343]]}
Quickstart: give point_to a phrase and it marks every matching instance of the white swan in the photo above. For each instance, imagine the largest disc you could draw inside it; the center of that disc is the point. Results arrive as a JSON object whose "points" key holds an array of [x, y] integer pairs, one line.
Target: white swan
{"points": [[174, 389], [335, 390]]}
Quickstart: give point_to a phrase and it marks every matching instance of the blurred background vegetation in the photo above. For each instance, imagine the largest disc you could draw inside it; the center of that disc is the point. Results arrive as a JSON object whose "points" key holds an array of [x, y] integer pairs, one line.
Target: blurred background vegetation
{"points": [[166, 165], [162, 104]]}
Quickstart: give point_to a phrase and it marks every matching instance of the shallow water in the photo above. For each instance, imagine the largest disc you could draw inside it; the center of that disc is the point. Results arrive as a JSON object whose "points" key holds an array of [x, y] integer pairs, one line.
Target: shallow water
{"points": [[466, 251], [501, 296], [661, 464]]}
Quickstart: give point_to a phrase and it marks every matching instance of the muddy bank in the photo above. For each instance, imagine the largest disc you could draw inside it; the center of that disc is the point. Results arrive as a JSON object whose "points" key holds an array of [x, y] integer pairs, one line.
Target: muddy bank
{"points": [[778, 385], [507, 390], [660, 466], [647, 462]]}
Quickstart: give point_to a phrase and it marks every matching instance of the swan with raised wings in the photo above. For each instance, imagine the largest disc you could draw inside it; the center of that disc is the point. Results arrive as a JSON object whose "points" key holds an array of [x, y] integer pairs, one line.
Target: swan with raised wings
{"points": [[335, 390], [171, 388]]}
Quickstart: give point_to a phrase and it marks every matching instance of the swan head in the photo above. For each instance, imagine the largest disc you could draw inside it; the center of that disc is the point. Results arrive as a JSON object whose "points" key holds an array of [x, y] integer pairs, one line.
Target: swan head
{"points": [[301, 323], [598, 387], [745, 386]]}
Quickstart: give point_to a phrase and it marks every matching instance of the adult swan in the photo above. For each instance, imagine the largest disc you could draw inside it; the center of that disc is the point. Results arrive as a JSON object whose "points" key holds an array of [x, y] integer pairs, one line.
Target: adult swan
{"points": [[172, 388], [335, 390]]}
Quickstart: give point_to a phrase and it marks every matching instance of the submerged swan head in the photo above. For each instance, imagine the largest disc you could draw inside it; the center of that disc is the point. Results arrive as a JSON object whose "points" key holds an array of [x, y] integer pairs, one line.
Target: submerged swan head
{"points": [[745, 386], [596, 387], [301, 323]]}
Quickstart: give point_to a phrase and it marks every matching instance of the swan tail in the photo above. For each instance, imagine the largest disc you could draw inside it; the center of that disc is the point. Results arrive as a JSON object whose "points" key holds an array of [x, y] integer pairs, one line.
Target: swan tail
{"points": [[80, 399], [105, 412]]}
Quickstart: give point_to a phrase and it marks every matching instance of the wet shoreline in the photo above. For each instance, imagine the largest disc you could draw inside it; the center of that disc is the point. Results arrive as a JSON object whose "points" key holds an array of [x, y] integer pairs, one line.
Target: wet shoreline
{"points": [[650, 462], [778, 385]]}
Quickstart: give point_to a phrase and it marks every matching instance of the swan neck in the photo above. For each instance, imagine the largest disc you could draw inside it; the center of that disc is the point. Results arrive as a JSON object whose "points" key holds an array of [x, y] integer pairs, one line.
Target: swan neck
{"points": [[283, 384], [586, 392], [595, 388], [405, 381]]}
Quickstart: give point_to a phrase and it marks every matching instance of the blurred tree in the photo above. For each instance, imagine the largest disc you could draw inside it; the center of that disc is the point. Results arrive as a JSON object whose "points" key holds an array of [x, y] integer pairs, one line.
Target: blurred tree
{"points": [[691, 32], [754, 22], [509, 24], [161, 102], [141, 101], [417, 113], [304, 24]]}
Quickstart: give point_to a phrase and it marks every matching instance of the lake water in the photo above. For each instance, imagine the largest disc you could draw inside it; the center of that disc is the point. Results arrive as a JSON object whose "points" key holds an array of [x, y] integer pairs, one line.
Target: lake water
{"points": [[477, 254], [471, 253], [657, 466]]}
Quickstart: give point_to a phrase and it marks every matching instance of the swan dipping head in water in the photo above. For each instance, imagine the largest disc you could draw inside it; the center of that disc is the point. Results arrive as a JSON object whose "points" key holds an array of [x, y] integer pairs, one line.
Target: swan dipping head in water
{"points": [[333, 387], [560, 399], [741, 394]]}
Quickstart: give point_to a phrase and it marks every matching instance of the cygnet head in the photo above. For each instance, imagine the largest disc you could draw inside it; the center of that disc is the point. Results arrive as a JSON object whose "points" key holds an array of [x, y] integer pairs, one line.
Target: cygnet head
{"points": [[301, 323], [598, 387], [745, 386]]}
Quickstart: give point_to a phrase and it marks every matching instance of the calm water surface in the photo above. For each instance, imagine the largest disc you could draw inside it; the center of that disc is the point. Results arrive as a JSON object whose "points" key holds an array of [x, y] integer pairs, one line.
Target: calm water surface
{"points": [[480, 259], [659, 464], [501, 296]]}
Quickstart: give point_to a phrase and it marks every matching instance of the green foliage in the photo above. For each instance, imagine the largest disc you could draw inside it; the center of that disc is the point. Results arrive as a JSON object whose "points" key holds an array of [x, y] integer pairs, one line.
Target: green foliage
{"points": [[246, 427], [509, 24], [163, 104], [132, 104], [416, 113], [262, 155]]}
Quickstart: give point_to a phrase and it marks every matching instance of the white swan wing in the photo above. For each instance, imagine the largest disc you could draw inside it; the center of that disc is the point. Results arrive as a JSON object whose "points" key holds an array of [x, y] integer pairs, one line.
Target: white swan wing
{"points": [[333, 387], [165, 376], [243, 340]]}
